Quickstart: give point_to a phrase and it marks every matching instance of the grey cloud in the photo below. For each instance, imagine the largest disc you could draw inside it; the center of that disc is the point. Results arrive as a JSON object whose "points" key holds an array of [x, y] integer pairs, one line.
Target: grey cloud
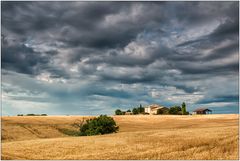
{"points": [[223, 52], [84, 21], [110, 43], [227, 30], [201, 68], [223, 98], [22, 59]]}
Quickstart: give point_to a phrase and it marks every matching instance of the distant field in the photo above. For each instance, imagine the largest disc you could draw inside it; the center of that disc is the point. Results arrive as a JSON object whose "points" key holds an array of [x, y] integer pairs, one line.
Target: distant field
{"points": [[140, 137]]}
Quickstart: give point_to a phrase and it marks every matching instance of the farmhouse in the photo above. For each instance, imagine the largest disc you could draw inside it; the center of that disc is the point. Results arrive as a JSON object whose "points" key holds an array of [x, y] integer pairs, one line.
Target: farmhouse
{"points": [[202, 111], [152, 109]]}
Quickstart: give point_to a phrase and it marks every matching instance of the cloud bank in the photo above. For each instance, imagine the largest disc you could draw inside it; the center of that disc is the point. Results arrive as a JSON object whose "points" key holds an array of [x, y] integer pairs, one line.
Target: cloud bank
{"points": [[90, 58]]}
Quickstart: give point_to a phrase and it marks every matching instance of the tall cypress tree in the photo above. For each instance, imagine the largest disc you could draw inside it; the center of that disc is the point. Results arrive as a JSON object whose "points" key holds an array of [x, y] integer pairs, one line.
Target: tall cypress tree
{"points": [[183, 108], [141, 109]]}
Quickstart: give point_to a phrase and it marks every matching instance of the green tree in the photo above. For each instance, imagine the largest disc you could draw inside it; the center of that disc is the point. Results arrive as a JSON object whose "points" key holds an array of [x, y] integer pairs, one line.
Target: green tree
{"points": [[141, 109], [184, 108], [160, 111], [134, 111], [30, 114], [174, 110], [118, 112], [128, 110], [98, 126]]}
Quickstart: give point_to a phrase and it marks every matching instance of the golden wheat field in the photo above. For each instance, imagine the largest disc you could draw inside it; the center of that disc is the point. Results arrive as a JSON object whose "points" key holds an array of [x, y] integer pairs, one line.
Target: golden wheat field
{"points": [[139, 137]]}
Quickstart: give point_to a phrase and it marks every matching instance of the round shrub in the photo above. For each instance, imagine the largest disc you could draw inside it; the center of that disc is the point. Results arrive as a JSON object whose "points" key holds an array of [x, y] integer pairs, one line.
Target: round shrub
{"points": [[98, 126]]}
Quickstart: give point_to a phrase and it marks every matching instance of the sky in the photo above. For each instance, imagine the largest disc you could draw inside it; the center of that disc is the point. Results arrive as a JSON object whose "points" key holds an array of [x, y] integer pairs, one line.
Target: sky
{"points": [[90, 58]]}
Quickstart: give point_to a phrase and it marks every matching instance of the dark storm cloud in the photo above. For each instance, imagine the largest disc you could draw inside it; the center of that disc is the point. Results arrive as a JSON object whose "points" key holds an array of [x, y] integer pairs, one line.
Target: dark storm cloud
{"points": [[89, 90], [149, 77], [22, 59], [201, 68], [227, 30], [129, 79], [187, 89], [56, 72], [92, 34], [86, 18], [120, 58], [224, 98], [85, 26], [192, 42], [63, 45], [222, 52]]}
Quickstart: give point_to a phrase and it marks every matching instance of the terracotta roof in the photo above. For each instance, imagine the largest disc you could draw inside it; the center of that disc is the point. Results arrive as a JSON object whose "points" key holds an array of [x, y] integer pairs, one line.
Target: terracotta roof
{"points": [[155, 106], [201, 109]]}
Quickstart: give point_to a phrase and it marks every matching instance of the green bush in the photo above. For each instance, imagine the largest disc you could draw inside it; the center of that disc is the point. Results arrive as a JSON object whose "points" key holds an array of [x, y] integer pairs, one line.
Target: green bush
{"points": [[98, 126], [160, 111], [176, 110], [30, 114], [134, 111], [118, 112]]}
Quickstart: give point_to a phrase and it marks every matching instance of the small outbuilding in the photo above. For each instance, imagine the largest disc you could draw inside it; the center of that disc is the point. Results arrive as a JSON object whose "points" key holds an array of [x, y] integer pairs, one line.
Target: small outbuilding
{"points": [[202, 111]]}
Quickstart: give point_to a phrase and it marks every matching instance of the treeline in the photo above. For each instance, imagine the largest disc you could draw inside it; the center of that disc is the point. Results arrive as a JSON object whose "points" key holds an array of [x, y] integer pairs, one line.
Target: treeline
{"points": [[174, 110], [134, 111], [31, 114]]}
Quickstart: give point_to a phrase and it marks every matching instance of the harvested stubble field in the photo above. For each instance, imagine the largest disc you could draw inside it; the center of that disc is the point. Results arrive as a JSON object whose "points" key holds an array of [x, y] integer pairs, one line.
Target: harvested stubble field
{"points": [[140, 137]]}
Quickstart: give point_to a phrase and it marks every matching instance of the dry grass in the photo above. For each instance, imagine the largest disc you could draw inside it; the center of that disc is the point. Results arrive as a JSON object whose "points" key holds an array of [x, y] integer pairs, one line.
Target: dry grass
{"points": [[18, 128], [140, 137]]}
